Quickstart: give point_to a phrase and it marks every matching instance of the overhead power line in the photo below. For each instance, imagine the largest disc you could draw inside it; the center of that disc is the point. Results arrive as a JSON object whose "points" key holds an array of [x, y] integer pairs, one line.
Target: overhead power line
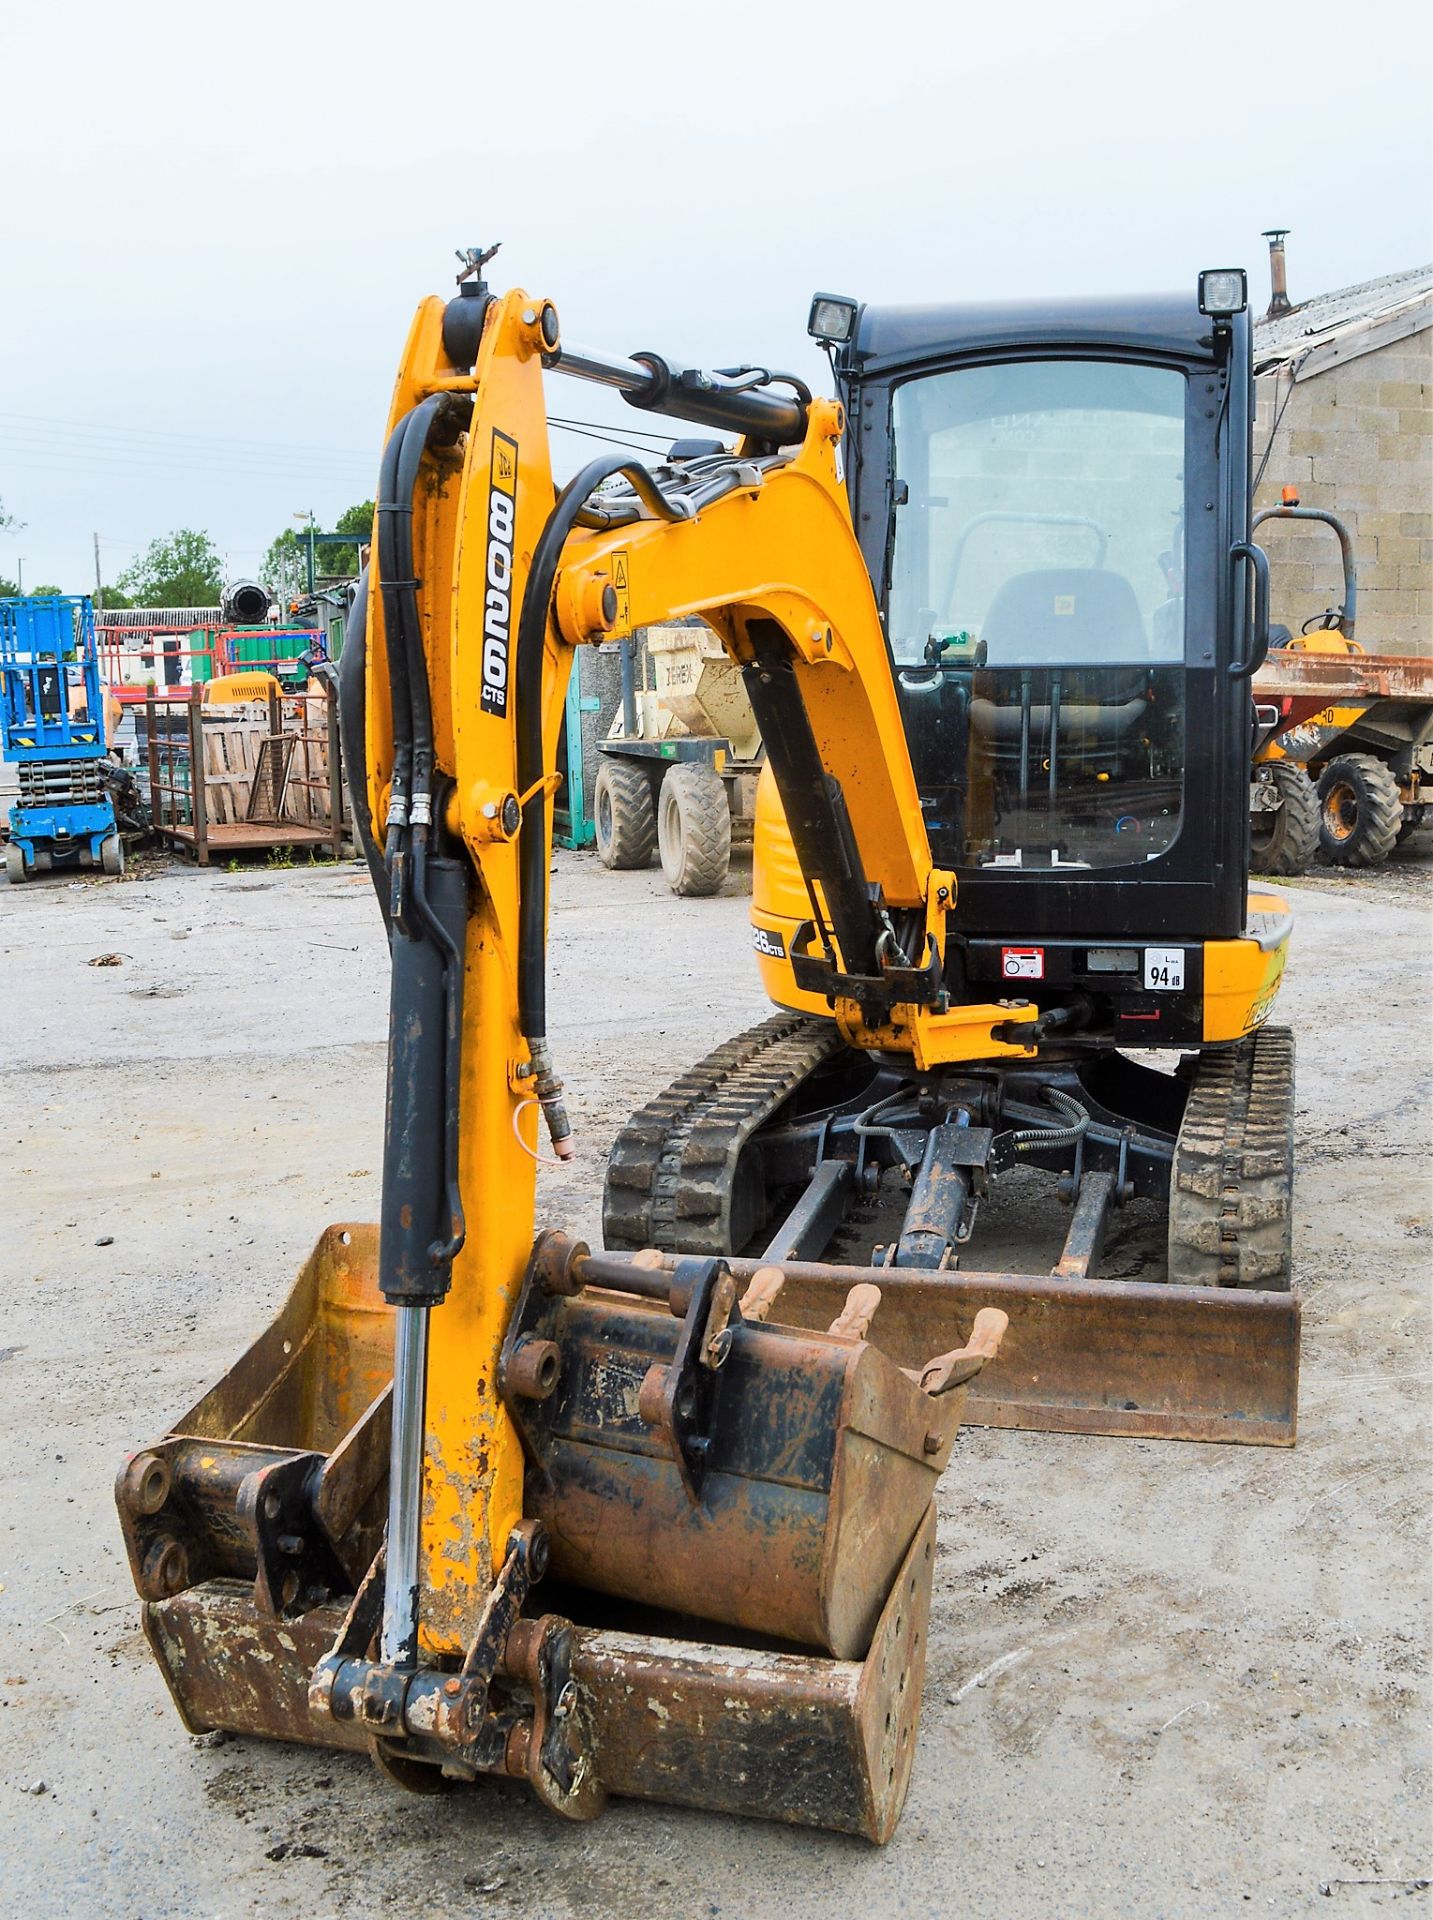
{"points": [[66, 446], [92, 429]]}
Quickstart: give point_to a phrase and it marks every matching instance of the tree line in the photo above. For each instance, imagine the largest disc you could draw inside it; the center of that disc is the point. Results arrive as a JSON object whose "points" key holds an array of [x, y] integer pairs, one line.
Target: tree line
{"points": [[186, 569]]}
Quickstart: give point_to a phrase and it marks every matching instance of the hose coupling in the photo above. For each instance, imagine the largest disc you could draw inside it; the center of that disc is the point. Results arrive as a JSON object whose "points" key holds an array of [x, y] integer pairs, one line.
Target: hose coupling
{"points": [[548, 1089]]}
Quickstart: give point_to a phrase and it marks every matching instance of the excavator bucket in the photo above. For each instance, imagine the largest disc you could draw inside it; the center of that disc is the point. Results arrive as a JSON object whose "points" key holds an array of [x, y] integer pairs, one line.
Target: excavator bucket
{"points": [[736, 1518]]}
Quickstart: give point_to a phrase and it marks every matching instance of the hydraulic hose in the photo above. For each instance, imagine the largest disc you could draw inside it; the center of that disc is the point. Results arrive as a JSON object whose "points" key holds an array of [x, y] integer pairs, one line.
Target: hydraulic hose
{"points": [[532, 837], [1070, 1110], [410, 456], [531, 638], [390, 509]]}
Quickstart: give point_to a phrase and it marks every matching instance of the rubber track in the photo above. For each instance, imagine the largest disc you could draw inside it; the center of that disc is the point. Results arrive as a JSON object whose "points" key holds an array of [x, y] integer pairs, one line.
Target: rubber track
{"points": [[1231, 1185], [672, 1170]]}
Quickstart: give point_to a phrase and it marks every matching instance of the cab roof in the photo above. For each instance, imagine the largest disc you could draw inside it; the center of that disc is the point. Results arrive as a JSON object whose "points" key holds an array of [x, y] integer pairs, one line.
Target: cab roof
{"points": [[1164, 323]]}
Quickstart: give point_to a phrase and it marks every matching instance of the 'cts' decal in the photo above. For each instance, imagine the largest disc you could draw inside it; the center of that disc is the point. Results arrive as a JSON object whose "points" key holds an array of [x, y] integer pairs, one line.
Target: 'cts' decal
{"points": [[497, 606]]}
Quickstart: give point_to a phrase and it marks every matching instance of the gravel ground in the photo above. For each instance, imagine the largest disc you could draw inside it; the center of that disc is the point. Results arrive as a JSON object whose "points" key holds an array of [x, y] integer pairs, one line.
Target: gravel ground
{"points": [[1165, 1680]]}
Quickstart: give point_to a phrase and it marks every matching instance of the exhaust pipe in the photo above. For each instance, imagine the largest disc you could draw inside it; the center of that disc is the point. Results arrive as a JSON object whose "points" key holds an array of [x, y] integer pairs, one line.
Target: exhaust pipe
{"points": [[1279, 301]]}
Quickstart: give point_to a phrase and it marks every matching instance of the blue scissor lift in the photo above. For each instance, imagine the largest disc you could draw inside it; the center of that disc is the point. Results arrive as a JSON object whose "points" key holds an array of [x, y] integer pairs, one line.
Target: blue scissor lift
{"points": [[52, 728]]}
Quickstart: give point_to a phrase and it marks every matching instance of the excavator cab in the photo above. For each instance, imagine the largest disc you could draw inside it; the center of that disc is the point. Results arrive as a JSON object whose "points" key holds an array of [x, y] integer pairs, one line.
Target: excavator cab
{"points": [[1053, 503]]}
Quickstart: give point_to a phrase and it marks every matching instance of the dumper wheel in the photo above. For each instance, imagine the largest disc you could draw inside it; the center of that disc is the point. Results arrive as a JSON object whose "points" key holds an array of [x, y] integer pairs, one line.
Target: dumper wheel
{"points": [[694, 830], [1285, 839], [112, 855], [1231, 1184], [14, 863], [1361, 809], [623, 815]]}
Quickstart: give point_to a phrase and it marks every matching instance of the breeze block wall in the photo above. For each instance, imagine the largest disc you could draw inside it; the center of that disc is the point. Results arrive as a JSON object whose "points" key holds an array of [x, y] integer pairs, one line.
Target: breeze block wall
{"points": [[1357, 439]]}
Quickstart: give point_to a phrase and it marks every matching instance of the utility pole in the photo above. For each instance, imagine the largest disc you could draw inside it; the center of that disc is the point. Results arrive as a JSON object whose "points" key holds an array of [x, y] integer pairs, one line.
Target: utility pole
{"points": [[20, 569], [99, 585]]}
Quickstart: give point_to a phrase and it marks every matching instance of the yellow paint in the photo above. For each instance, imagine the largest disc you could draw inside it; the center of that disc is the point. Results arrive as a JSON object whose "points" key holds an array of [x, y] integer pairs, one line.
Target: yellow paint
{"points": [[939, 1039], [781, 551], [1241, 979], [784, 551], [473, 1470]]}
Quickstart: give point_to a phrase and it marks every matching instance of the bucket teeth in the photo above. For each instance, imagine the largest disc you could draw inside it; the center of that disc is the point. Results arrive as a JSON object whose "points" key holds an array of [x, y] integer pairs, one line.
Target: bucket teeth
{"points": [[854, 1319]]}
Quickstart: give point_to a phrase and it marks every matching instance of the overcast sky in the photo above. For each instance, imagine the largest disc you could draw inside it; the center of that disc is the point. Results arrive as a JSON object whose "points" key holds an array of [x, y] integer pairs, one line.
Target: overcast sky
{"points": [[217, 221]]}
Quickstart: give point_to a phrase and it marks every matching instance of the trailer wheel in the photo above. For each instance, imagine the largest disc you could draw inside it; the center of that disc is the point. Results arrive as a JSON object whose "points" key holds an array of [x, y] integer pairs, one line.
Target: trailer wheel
{"points": [[1285, 840], [623, 815], [1361, 809], [14, 863], [694, 830], [112, 855]]}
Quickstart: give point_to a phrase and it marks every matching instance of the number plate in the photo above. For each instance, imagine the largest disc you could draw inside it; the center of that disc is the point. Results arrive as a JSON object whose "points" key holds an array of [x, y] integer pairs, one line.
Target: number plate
{"points": [[1164, 969]]}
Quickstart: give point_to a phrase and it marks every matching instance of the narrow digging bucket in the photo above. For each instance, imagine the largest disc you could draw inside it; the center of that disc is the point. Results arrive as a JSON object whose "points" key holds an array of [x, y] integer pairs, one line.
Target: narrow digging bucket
{"points": [[787, 1502]]}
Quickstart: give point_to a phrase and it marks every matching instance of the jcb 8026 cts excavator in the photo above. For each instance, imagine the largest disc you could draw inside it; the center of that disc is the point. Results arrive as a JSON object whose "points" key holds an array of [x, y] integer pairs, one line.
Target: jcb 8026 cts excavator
{"points": [[1004, 840]]}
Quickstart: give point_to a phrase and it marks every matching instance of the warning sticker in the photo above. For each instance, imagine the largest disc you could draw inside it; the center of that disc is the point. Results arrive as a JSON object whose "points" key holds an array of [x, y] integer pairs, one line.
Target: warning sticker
{"points": [[621, 582], [1022, 963]]}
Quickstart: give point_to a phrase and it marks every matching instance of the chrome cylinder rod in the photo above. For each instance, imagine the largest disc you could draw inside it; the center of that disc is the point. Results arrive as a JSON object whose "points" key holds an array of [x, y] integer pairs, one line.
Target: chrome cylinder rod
{"points": [[604, 369], [686, 393], [399, 1643]]}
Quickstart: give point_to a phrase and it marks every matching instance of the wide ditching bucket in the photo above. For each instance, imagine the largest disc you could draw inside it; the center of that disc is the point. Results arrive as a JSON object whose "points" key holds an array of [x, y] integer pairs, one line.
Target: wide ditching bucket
{"points": [[735, 1516]]}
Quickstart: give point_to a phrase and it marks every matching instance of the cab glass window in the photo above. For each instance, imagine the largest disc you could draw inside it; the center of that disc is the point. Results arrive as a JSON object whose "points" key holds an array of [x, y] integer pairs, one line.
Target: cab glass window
{"points": [[1036, 608]]}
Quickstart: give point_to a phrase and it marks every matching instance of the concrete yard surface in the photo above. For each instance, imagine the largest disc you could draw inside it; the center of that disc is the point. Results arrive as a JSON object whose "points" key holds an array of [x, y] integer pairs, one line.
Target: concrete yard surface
{"points": [[1165, 1680]]}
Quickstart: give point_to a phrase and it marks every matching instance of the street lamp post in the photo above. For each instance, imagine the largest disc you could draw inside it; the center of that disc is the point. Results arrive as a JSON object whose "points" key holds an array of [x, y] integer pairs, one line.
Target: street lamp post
{"points": [[309, 516]]}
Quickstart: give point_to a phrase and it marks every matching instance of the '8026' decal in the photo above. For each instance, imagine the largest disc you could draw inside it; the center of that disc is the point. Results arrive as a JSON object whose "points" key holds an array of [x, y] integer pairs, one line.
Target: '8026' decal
{"points": [[497, 605]]}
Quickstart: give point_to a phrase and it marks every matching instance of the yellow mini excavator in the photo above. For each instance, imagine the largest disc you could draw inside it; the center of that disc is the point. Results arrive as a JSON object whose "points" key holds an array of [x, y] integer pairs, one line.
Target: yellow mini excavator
{"points": [[658, 1521]]}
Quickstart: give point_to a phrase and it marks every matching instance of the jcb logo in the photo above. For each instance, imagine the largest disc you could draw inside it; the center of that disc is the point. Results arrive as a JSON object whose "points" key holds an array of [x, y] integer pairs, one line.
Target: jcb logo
{"points": [[497, 605]]}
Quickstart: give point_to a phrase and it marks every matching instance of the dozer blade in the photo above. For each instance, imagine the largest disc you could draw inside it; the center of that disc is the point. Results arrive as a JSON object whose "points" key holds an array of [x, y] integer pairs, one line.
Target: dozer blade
{"points": [[740, 1515], [1080, 1356]]}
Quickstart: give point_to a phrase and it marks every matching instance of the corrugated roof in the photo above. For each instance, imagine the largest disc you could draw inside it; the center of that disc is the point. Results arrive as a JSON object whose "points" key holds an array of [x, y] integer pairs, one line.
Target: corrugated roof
{"points": [[1341, 314]]}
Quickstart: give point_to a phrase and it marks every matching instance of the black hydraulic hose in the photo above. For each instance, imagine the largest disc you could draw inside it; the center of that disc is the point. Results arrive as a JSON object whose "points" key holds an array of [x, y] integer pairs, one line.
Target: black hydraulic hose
{"points": [[531, 639], [390, 509], [353, 735], [1077, 1119], [410, 456]]}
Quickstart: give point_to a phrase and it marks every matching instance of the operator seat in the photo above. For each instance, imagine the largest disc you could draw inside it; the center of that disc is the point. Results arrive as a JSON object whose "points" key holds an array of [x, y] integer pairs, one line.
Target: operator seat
{"points": [[1051, 622]]}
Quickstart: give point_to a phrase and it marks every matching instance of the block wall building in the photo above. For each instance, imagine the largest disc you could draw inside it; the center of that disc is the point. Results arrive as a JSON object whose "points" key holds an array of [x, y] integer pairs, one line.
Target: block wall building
{"points": [[1344, 387]]}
